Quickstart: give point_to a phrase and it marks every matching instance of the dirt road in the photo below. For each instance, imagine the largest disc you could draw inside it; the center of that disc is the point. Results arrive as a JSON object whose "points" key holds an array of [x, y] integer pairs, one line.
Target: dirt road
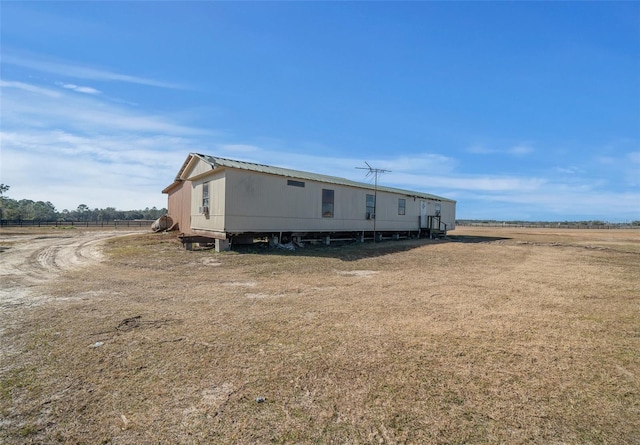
{"points": [[30, 260]]}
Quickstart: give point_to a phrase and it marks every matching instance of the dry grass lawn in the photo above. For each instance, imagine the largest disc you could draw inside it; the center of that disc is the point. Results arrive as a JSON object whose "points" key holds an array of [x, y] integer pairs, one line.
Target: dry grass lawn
{"points": [[495, 336]]}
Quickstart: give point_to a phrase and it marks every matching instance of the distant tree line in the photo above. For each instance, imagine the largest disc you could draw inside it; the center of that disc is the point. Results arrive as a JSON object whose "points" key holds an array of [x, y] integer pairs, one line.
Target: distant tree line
{"points": [[590, 223], [26, 209]]}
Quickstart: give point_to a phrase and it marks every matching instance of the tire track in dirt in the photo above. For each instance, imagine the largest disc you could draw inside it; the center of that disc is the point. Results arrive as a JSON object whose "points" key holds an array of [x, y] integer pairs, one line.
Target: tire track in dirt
{"points": [[29, 261]]}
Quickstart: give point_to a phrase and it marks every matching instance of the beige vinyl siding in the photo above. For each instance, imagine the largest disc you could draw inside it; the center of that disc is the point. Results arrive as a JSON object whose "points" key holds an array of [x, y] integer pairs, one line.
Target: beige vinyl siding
{"points": [[447, 212], [215, 221], [448, 215], [197, 167], [388, 219], [258, 202], [261, 202]]}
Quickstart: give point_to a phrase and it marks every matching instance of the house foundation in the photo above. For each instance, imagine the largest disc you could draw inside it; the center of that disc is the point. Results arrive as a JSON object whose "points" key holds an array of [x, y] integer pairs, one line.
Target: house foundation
{"points": [[222, 245]]}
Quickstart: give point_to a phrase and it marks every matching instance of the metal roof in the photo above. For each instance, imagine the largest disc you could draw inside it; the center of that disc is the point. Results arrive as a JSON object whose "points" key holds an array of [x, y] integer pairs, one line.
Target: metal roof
{"points": [[261, 168]]}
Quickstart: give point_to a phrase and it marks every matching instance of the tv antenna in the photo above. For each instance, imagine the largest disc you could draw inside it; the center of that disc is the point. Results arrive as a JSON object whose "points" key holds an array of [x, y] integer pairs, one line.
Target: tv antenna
{"points": [[375, 172]]}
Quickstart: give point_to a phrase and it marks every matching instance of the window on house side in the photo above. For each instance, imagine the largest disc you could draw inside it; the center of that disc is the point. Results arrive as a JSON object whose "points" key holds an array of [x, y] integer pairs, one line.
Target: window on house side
{"points": [[371, 204], [402, 206], [205, 194], [327, 203], [438, 209], [295, 183]]}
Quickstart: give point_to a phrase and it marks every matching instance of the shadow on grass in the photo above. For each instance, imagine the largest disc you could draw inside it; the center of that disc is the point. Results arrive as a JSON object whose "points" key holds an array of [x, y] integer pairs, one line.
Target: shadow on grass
{"points": [[475, 239], [353, 251]]}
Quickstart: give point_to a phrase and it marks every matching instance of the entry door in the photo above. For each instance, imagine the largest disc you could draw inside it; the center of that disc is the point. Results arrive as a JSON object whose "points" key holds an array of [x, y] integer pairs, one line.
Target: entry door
{"points": [[423, 215]]}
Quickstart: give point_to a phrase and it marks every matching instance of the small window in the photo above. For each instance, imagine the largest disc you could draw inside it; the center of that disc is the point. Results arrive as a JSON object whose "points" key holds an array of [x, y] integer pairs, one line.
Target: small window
{"points": [[438, 209], [327, 203], [295, 183], [205, 194], [371, 204], [402, 206]]}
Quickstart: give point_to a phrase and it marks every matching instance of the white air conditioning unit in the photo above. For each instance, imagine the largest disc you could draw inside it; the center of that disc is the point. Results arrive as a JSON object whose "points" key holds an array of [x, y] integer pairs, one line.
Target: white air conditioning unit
{"points": [[371, 215], [204, 210]]}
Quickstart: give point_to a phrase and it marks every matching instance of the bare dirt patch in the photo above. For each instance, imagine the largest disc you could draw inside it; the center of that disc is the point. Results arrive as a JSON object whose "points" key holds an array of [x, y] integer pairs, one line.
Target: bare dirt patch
{"points": [[495, 336], [30, 258], [358, 273]]}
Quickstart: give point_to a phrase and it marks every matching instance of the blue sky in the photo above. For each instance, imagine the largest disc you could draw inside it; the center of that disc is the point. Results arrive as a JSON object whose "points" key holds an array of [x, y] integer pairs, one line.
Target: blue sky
{"points": [[517, 110]]}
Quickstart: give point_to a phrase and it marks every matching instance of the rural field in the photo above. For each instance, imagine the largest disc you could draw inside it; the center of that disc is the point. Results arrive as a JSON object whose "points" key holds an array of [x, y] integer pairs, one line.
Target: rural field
{"points": [[496, 335]]}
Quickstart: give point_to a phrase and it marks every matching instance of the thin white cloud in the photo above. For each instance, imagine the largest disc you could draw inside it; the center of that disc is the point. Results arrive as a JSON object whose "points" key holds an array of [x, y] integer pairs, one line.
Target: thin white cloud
{"points": [[239, 148], [568, 170], [632, 169], [480, 150], [606, 160], [30, 88], [122, 171], [82, 148], [121, 148], [520, 149], [421, 163], [79, 89], [576, 202], [84, 113], [459, 181], [620, 167], [69, 69]]}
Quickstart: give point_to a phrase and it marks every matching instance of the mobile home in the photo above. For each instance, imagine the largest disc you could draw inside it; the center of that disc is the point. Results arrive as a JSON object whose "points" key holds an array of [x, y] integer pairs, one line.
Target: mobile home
{"points": [[213, 198]]}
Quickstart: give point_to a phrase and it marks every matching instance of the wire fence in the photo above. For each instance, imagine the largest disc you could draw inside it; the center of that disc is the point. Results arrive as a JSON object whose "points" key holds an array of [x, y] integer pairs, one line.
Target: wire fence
{"points": [[115, 224], [548, 225]]}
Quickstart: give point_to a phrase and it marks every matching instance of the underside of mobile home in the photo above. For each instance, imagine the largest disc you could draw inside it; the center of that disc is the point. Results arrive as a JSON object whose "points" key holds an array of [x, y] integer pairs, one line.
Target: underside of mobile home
{"points": [[220, 199]]}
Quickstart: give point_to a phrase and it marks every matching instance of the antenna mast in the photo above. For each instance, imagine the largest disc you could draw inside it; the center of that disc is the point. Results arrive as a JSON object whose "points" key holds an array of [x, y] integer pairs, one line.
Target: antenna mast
{"points": [[374, 172]]}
